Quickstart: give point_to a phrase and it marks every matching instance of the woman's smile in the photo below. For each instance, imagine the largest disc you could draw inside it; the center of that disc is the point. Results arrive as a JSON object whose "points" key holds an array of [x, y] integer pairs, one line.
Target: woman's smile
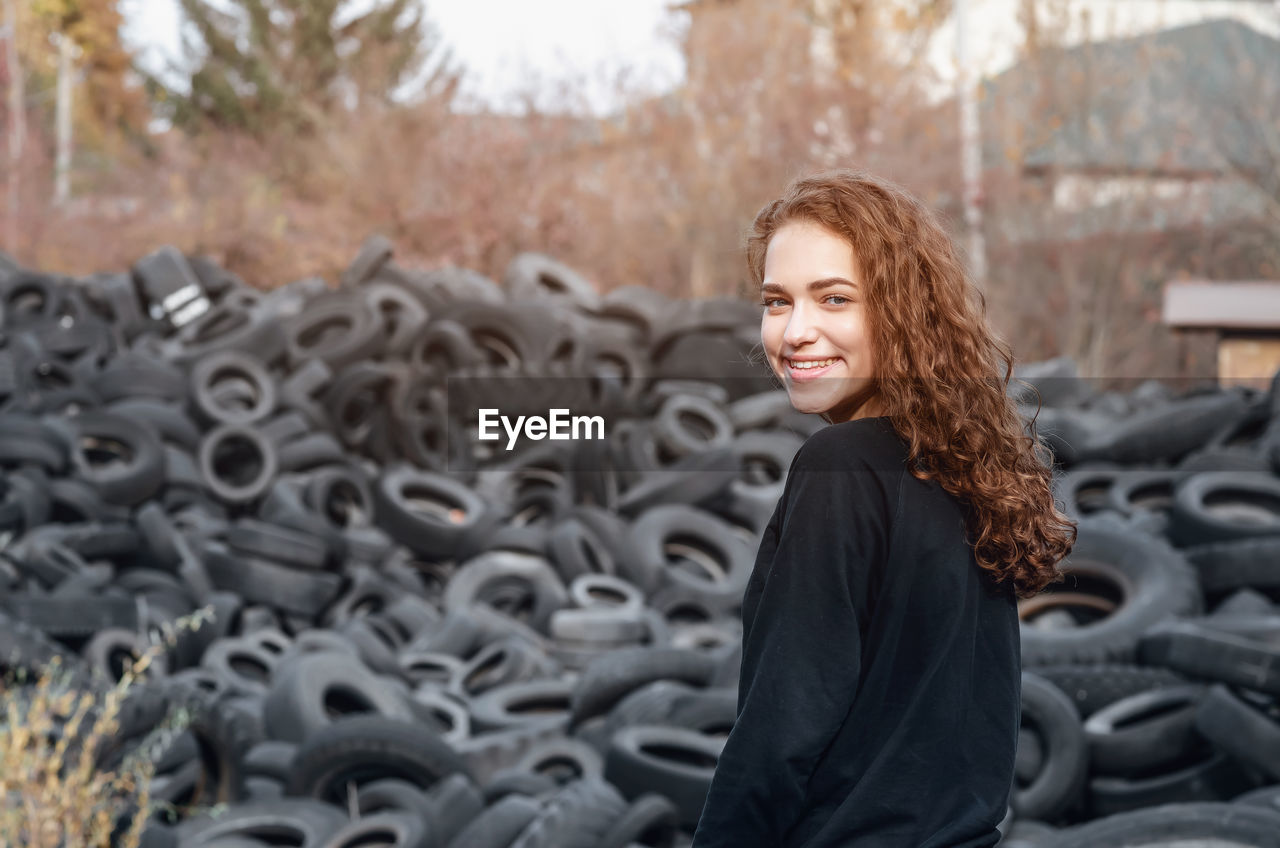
{"points": [[800, 370]]}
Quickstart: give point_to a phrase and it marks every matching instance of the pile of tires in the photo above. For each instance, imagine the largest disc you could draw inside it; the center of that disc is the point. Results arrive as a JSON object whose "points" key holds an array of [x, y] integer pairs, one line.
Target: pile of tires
{"points": [[415, 643], [1151, 686]]}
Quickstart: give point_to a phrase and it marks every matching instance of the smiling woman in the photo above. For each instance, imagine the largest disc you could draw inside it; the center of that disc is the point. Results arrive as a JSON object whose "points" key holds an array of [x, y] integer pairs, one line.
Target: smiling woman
{"points": [[880, 685], [813, 330]]}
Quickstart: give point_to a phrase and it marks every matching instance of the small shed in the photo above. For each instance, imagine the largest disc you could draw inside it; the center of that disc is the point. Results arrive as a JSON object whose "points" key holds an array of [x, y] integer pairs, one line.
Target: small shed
{"points": [[1244, 318]]}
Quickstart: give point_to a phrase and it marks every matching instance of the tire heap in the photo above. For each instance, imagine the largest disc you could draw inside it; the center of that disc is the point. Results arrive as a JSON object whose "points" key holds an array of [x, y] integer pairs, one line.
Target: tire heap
{"points": [[1151, 685], [413, 647]]}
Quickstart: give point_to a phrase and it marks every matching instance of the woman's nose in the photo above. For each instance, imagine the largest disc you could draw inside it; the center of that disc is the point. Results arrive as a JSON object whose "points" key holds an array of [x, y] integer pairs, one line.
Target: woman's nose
{"points": [[801, 328]]}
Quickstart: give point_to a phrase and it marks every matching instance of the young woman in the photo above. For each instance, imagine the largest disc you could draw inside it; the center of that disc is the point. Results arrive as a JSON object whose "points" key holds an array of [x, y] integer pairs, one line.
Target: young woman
{"points": [[879, 699]]}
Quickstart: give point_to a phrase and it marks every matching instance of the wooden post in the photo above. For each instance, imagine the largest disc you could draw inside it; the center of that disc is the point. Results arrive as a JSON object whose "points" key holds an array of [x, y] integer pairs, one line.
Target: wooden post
{"points": [[62, 165], [970, 149], [17, 125]]}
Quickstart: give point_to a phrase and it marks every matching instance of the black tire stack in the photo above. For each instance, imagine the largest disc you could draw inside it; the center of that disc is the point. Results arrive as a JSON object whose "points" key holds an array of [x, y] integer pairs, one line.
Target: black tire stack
{"points": [[540, 648], [1152, 674]]}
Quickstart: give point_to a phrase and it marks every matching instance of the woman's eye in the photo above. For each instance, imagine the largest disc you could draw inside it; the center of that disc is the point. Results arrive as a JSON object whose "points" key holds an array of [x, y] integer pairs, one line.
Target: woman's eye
{"points": [[833, 299]]}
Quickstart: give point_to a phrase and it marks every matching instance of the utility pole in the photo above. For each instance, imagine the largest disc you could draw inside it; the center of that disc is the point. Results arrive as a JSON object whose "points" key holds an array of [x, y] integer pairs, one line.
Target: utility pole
{"points": [[62, 165], [17, 124], [970, 151]]}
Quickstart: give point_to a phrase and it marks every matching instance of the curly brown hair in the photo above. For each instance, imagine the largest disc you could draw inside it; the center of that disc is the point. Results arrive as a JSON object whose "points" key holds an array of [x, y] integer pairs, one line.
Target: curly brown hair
{"points": [[938, 369]]}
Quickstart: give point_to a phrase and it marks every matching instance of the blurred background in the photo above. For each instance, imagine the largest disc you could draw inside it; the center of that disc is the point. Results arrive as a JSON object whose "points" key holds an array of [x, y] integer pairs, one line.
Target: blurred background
{"points": [[1086, 153]]}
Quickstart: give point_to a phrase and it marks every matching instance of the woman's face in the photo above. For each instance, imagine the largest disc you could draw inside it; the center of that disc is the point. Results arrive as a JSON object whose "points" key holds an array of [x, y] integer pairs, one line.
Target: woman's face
{"points": [[814, 323]]}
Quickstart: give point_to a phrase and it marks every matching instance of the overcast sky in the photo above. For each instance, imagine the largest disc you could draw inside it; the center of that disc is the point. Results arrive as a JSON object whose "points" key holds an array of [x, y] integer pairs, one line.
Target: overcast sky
{"points": [[506, 44]]}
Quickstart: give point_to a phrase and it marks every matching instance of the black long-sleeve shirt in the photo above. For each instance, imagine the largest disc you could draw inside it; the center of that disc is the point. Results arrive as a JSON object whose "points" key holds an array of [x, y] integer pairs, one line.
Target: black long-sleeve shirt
{"points": [[880, 689]]}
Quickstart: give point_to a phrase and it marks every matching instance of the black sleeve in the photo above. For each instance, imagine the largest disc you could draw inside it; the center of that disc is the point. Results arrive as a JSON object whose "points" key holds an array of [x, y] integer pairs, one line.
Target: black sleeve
{"points": [[801, 657]]}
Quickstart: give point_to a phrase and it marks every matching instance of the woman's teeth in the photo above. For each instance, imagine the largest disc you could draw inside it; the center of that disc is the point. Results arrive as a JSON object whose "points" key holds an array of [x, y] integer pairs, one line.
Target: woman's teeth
{"points": [[819, 363]]}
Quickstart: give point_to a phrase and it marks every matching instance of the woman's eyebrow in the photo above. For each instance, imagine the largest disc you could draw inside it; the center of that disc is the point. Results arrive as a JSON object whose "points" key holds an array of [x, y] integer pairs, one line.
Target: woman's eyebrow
{"points": [[816, 285]]}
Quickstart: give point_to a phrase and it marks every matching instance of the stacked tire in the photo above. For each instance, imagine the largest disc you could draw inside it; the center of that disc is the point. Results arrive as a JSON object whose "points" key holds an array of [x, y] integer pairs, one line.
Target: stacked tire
{"points": [[408, 641]]}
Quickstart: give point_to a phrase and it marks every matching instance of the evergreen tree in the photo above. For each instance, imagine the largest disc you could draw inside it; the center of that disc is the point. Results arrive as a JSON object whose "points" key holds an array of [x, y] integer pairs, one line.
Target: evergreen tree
{"points": [[263, 64]]}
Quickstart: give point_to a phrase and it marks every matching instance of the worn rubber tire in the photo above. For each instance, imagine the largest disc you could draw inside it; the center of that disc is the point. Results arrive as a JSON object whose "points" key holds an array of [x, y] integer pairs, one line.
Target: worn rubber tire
{"points": [[395, 795], [1166, 432], [530, 587], [361, 749], [231, 446], [651, 820], [389, 829], [652, 703], [455, 801], [224, 731], [578, 816], [73, 616], [536, 275], [1240, 729], [1144, 732], [169, 421], [1214, 777], [1144, 491], [1197, 522], [361, 338], [304, 821], [1066, 756], [563, 761], [499, 825], [129, 482], [1169, 824], [271, 541], [1154, 581], [609, 678], [260, 389], [457, 513], [1092, 686], [1267, 797], [693, 479], [309, 690], [503, 661], [688, 424], [1225, 566], [724, 557], [305, 592], [1214, 653], [527, 704], [515, 781], [1026, 833], [633, 765], [269, 758]]}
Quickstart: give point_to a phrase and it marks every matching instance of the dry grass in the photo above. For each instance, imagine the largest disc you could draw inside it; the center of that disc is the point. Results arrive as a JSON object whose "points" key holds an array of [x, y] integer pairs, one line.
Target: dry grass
{"points": [[52, 732]]}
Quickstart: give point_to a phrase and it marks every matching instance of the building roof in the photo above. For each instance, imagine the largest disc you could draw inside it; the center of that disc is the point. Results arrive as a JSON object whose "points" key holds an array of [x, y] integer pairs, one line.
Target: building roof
{"points": [[1178, 101], [1236, 305]]}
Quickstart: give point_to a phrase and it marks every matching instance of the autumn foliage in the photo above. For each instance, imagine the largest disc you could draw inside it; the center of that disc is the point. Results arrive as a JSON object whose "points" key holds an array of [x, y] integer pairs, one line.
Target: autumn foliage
{"points": [[657, 193]]}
